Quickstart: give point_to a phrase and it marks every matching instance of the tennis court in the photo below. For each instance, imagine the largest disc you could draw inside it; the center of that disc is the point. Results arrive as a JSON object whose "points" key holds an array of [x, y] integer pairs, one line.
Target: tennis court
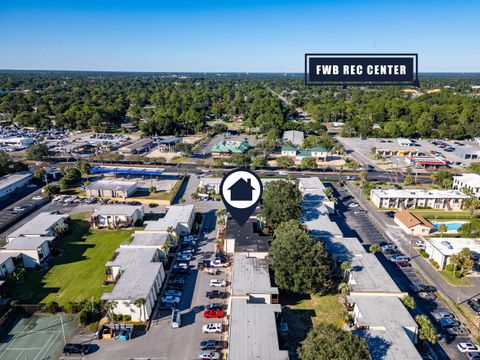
{"points": [[37, 338]]}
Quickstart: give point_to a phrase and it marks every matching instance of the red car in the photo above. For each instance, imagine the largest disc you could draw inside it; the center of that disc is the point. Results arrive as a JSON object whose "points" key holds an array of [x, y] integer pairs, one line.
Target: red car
{"points": [[213, 314], [403, 264]]}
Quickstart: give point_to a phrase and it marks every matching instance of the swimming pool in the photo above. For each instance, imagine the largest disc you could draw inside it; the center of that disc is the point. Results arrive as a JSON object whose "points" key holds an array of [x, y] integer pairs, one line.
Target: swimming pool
{"points": [[451, 226]]}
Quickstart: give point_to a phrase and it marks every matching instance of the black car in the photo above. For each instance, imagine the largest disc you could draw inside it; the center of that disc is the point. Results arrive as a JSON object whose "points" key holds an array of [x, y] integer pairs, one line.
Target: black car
{"points": [[214, 306], [474, 305], [70, 349], [215, 294], [390, 214], [175, 287], [211, 345]]}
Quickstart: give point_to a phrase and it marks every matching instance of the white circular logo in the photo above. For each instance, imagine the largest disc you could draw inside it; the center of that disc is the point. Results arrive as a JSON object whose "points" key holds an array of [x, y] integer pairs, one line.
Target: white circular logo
{"points": [[241, 189]]}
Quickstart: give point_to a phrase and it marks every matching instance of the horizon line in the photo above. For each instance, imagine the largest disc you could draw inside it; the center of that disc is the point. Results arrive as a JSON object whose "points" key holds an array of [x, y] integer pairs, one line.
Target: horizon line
{"points": [[203, 72]]}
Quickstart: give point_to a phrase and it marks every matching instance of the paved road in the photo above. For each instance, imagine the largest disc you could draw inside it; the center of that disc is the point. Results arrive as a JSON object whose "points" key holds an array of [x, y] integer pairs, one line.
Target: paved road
{"points": [[369, 233]]}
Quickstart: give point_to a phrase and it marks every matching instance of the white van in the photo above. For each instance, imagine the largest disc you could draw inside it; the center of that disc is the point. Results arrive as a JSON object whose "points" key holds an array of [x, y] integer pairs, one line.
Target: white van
{"points": [[176, 320]]}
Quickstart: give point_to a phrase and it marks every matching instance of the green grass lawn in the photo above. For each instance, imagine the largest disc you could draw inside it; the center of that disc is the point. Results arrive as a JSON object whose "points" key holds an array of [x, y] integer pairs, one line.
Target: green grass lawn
{"points": [[79, 273], [161, 195], [327, 309], [443, 215], [453, 280]]}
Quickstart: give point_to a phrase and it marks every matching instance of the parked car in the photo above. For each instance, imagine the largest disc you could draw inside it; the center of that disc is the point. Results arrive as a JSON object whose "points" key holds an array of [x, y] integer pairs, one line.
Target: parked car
{"points": [[426, 295], [218, 283], [390, 214], [173, 293], [218, 263], [170, 299], [467, 347], [215, 294], [178, 287], [420, 243], [449, 323], [388, 247], [214, 306], [70, 349], [38, 197], [403, 264], [399, 258], [458, 331], [184, 257], [209, 355], [352, 205], [474, 305], [211, 345], [439, 315], [212, 328], [187, 252], [213, 314], [475, 355], [424, 288]]}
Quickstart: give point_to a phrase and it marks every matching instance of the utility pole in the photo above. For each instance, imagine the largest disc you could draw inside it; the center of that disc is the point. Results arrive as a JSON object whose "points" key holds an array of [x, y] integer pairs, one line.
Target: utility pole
{"points": [[461, 286]]}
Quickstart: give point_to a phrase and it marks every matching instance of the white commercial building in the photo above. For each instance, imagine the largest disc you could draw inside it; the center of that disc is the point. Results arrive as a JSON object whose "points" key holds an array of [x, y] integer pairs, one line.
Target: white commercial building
{"points": [[138, 273], [111, 189], [451, 200], [41, 225], [116, 216], [12, 182], [468, 181], [20, 142], [180, 218], [32, 250], [442, 249]]}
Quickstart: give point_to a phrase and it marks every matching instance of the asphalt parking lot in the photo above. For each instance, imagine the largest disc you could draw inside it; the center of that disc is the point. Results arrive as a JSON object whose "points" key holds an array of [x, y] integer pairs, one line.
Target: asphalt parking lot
{"points": [[360, 225]]}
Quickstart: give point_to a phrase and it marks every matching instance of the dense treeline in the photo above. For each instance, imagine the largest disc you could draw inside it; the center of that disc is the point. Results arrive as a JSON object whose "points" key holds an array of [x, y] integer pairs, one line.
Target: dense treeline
{"points": [[160, 104]]}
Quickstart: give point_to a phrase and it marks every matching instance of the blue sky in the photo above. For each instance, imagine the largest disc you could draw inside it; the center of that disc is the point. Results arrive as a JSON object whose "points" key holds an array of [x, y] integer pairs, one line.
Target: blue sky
{"points": [[230, 35]]}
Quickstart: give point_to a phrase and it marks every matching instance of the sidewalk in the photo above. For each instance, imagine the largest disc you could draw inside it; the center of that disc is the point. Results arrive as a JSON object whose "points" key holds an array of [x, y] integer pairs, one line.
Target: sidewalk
{"points": [[399, 238]]}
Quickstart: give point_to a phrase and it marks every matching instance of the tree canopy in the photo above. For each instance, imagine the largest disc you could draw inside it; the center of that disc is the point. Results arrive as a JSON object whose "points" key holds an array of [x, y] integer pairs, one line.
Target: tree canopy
{"points": [[326, 341], [300, 263], [281, 202]]}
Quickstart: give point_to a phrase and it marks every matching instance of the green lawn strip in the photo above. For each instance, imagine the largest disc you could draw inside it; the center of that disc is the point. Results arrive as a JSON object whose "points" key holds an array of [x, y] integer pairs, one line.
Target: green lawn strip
{"points": [[327, 309], [79, 273], [161, 195], [433, 215], [453, 280]]}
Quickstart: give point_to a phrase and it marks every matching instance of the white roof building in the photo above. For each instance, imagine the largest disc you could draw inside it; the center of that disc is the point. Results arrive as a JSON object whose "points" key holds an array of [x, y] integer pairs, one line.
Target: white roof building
{"points": [[469, 181], [12, 182], [41, 225], [253, 331], [178, 217]]}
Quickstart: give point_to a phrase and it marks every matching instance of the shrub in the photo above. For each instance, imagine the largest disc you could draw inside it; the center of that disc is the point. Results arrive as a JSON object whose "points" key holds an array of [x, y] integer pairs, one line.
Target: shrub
{"points": [[434, 263], [126, 318], [71, 307], [88, 317], [449, 267], [51, 307], [424, 253]]}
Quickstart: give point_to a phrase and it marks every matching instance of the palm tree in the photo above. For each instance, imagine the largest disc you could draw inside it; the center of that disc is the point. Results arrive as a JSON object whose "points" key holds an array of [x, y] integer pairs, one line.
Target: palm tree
{"points": [[374, 248], [363, 176], [221, 212], [442, 229], [345, 266], [109, 308], [343, 288], [140, 303], [409, 302]]}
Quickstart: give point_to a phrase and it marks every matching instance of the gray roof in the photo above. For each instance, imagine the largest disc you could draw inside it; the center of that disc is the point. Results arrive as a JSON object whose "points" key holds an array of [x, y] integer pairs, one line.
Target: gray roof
{"points": [[175, 214], [294, 136], [149, 239], [8, 180], [138, 145], [389, 321], [39, 225], [250, 276], [126, 210], [315, 218], [310, 183], [253, 332], [27, 243], [139, 273], [113, 185], [368, 275]]}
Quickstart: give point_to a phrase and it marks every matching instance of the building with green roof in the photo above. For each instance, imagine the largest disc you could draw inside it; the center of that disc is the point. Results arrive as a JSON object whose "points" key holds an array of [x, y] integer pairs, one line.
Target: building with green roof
{"points": [[226, 148], [317, 152]]}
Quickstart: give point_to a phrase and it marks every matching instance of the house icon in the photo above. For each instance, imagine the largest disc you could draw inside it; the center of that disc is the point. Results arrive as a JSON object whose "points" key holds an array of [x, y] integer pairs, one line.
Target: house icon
{"points": [[241, 190]]}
